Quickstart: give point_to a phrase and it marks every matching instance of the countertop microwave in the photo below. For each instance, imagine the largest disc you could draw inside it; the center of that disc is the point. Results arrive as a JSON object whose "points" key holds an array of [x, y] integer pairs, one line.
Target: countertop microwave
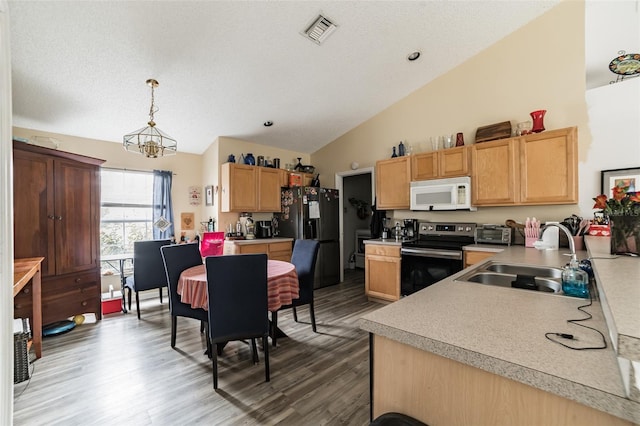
{"points": [[442, 194]]}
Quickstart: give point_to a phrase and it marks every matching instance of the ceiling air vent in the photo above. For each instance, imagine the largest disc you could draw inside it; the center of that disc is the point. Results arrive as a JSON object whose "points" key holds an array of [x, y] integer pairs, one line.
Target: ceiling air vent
{"points": [[320, 29]]}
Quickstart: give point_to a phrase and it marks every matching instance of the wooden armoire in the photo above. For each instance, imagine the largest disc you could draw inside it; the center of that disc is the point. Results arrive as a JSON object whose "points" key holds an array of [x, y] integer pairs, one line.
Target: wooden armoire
{"points": [[56, 213]]}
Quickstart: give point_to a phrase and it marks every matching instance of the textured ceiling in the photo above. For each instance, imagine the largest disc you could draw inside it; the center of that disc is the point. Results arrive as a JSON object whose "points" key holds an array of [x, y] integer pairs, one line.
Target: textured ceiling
{"points": [[611, 27], [79, 67]]}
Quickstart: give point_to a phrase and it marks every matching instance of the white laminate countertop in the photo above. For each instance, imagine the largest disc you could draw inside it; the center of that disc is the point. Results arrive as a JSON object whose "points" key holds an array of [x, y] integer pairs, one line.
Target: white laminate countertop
{"points": [[618, 280], [490, 248], [386, 241], [259, 241], [502, 330]]}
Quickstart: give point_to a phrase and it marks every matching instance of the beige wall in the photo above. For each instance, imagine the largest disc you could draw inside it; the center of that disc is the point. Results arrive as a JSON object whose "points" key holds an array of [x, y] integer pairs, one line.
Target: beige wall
{"points": [[187, 168], [540, 66], [219, 152]]}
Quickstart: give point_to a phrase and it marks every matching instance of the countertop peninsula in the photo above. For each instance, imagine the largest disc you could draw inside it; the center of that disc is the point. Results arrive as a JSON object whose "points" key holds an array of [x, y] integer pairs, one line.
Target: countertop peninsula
{"points": [[502, 330]]}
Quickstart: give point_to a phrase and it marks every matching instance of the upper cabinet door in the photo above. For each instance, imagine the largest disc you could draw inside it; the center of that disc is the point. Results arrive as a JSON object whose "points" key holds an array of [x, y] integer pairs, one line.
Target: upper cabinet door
{"points": [[239, 192], [424, 166], [392, 183], [445, 163], [268, 190], [494, 177], [453, 162], [548, 167]]}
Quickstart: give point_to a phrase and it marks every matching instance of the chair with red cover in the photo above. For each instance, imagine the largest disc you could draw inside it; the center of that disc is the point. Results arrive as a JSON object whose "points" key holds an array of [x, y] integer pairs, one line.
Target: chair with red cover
{"points": [[212, 244]]}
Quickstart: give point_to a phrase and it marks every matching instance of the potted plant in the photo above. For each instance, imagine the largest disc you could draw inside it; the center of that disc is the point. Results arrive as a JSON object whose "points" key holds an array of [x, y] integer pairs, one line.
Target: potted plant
{"points": [[623, 212]]}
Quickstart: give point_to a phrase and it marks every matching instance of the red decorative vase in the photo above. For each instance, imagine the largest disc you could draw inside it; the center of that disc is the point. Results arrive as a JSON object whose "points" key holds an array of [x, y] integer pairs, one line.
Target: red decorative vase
{"points": [[538, 120], [459, 139]]}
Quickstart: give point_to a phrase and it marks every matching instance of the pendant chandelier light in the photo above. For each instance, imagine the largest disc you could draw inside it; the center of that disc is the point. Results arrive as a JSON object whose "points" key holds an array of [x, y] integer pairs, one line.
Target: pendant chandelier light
{"points": [[150, 141]]}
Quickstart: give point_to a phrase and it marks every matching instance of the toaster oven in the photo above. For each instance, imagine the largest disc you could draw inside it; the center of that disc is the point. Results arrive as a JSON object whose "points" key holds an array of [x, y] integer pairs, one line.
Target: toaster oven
{"points": [[494, 234]]}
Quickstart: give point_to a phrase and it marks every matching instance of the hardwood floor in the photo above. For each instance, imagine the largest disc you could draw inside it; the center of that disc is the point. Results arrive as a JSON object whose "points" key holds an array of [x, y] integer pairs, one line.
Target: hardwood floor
{"points": [[122, 370]]}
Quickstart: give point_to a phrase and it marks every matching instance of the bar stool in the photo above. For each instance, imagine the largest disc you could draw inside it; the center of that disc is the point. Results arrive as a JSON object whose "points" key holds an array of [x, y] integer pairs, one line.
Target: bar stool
{"points": [[396, 419]]}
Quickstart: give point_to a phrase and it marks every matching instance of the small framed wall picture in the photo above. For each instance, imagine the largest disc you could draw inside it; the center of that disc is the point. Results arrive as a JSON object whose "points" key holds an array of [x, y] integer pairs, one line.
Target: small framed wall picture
{"points": [[195, 199], [208, 195], [621, 178], [186, 221]]}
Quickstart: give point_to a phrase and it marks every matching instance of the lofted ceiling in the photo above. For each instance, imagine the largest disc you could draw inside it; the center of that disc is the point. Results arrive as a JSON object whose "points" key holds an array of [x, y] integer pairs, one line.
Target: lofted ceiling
{"points": [[226, 67]]}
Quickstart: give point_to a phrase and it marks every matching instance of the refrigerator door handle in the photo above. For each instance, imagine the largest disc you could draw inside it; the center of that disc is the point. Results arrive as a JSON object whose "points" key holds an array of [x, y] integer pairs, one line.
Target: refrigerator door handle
{"points": [[310, 229]]}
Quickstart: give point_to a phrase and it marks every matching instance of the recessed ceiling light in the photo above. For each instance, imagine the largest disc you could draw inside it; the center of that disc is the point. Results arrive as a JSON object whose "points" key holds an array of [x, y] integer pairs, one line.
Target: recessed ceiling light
{"points": [[268, 123], [413, 56]]}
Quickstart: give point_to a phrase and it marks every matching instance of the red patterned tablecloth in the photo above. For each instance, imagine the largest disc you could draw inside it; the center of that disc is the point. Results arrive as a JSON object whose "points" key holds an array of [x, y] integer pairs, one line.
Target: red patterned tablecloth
{"points": [[282, 285]]}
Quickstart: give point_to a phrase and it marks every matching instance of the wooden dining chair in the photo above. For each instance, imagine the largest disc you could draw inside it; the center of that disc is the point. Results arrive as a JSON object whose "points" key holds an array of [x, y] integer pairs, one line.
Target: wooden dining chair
{"points": [[237, 292], [177, 258], [148, 269], [304, 256]]}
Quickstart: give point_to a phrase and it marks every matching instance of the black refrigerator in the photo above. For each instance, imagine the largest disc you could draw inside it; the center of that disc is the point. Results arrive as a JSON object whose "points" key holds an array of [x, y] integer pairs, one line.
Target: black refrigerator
{"points": [[313, 213]]}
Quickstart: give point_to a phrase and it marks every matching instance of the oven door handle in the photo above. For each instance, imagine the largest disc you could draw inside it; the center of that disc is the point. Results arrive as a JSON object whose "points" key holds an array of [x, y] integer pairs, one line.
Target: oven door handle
{"points": [[438, 254]]}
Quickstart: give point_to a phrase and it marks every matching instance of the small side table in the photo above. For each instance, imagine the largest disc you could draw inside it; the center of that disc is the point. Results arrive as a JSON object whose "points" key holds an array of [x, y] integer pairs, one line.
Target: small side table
{"points": [[25, 270]]}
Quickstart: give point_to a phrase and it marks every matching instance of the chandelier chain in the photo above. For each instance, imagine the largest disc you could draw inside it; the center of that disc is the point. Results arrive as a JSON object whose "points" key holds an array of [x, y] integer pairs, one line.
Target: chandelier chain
{"points": [[153, 109]]}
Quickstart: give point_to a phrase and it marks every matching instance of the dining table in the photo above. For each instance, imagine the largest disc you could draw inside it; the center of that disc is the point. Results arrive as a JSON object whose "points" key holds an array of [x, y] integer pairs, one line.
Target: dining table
{"points": [[282, 288], [282, 285]]}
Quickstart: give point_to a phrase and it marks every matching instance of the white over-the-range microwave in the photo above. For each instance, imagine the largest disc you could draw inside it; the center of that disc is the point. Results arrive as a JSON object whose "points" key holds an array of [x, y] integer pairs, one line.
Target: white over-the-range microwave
{"points": [[442, 194]]}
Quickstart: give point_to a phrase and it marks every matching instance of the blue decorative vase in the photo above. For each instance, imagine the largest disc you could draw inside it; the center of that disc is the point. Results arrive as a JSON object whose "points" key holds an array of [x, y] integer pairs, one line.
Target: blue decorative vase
{"points": [[248, 159], [231, 159]]}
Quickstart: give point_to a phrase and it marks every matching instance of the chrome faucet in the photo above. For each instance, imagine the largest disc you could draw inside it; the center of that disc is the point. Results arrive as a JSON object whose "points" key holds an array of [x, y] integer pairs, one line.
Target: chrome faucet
{"points": [[563, 228]]}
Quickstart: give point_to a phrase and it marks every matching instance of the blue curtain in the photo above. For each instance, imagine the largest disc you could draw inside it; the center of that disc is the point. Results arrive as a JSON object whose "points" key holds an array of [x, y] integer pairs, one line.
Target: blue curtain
{"points": [[162, 206]]}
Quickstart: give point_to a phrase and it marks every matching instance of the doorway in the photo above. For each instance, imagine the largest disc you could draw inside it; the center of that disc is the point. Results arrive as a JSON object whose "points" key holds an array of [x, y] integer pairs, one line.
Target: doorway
{"points": [[355, 215]]}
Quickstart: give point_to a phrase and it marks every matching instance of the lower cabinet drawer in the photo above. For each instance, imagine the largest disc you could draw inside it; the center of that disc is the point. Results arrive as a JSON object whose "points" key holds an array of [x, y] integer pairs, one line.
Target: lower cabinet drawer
{"points": [[284, 246], [253, 248], [382, 250], [280, 255], [69, 295]]}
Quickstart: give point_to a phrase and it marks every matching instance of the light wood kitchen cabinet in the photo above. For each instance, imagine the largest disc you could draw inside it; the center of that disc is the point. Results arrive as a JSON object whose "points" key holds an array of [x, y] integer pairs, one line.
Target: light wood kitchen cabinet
{"points": [[392, 183], [424, 166], [248, 188], [284, 177], [268, 190], [536, 169], [382, 272], [445, 163], [238, 188], [422, 384], [56, 209], [471, 257], [494, 175], [549, 167], [275, 250], [454, 162]]}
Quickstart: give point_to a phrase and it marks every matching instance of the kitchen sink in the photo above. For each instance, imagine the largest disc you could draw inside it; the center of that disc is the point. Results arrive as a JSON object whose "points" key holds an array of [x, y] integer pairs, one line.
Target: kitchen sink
{"points": [[507, 280], [536, 271], [527, 277]]}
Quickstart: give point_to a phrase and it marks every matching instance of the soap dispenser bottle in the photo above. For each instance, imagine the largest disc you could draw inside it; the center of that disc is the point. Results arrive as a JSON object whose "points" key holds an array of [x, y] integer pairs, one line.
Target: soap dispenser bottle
{"points": [[575, 281]]}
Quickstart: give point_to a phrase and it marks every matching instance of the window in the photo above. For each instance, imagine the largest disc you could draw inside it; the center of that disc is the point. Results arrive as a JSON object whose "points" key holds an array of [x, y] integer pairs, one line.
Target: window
{"points": [[126, 210]]}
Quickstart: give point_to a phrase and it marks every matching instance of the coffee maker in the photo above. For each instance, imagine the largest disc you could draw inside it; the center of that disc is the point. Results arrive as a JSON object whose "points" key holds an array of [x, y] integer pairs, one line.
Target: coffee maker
{"points": [[411, 228]]}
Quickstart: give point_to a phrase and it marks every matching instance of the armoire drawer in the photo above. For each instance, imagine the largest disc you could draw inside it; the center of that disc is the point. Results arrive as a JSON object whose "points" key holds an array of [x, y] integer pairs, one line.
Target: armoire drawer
{"points": [[64, 283], [61, 308]]}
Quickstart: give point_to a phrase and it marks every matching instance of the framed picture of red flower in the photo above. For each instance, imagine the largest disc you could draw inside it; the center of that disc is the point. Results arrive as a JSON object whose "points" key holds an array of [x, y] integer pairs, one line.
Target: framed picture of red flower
{"points": [[627, 179]]}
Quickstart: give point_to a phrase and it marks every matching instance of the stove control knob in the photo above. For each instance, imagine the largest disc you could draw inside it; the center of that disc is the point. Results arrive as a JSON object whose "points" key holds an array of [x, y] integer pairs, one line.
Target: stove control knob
{"points": [[468, 229], [430, 227], [460, 228]]}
